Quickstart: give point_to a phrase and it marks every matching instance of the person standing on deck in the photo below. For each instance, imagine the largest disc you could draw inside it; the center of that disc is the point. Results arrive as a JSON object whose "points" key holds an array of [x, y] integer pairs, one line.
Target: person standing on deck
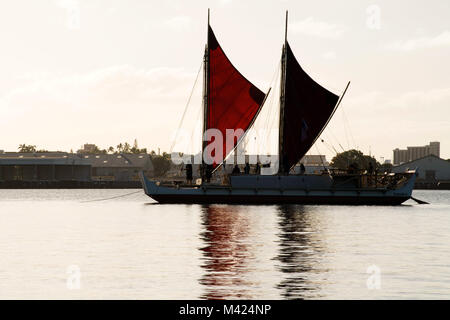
{"points": [[189, 173], [302, 169], [370, 170], [258, 168], [285, 165], [208, 175], [247, 168]]}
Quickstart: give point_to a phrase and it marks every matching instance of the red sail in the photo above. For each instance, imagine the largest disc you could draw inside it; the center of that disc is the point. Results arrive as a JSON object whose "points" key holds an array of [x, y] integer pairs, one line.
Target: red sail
{"points": [[233, 100], [307, 109]]}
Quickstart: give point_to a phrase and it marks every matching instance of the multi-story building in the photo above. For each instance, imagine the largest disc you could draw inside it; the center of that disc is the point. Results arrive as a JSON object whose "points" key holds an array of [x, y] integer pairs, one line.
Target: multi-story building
{"points": [[414, 153]]}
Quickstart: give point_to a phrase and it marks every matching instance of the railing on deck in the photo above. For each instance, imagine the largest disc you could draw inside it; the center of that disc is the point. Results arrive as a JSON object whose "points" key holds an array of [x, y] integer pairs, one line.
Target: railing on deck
{"points": [[363, 179]]}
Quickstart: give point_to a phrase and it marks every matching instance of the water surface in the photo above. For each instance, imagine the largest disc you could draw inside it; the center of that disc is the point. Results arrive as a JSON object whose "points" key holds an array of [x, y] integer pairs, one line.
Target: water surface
{"points": [[128, 247]]}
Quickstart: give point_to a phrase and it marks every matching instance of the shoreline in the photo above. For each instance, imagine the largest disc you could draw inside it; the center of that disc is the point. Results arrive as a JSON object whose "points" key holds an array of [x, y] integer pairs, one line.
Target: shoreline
{"points": [[70, 184]]}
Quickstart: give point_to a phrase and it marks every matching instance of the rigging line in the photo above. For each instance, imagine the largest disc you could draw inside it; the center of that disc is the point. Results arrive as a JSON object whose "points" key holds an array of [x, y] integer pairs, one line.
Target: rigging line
{"points": [[336, 140], [250, 126], [271, 118], [272, 109], [270, 100], [329, 147], [243, 135], [115, 197], [325, 133], [263, 130], [345, 131], [348, 124], [331, 134], [335, 150], [332, 114], [186, 108], [344, 124], [191, 141], [320, 156]]}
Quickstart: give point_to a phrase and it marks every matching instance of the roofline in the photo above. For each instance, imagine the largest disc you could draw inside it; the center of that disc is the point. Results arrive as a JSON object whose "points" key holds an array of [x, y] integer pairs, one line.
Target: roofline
{"points": [[430, 155]]}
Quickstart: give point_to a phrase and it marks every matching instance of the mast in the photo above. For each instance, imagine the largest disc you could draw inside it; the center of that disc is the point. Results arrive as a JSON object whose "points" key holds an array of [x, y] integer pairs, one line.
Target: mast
{"points": [[305, 110], [281, 168], [231, 101], [205, 93]]}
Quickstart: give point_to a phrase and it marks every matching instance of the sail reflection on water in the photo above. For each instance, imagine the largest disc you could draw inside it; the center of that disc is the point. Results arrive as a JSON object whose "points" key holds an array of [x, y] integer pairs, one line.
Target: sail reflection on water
{"points": [[302, 252], [252, 252], [226, 253]]}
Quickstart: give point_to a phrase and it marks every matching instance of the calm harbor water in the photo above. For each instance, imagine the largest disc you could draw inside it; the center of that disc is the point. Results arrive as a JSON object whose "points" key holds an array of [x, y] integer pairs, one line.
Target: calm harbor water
{"points": [[66, 244]]}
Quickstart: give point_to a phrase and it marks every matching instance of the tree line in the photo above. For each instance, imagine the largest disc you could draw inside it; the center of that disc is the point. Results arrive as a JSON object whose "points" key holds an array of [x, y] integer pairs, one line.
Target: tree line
{"points": [[120, 148], [161, 163], [358, 160]]}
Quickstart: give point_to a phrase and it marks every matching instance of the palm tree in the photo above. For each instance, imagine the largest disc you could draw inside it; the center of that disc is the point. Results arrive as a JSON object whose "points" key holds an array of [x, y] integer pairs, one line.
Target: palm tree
{"points": [[27, 148], [126, 147]]}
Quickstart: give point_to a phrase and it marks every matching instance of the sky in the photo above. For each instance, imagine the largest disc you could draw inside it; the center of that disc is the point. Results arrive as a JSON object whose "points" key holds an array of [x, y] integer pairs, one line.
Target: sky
{"points": [[110, 71]]}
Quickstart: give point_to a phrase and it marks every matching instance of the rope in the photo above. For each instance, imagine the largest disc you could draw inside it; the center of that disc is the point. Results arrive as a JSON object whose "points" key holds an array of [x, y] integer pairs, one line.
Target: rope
{"points": [[263, 134], [334, 138], [328, 146], [321, 159], [186, 108], [243, 141], [345, 131], [197, 118], [349, 128], [115, 197]]}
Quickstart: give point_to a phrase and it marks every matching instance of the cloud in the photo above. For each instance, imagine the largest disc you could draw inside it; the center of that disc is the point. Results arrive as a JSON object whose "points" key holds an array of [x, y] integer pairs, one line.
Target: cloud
{"points": [[225, 2], [312, 27], [426, 101], [385, 121], [421, 105], [330, 55], [113, 84], [104, 106], [441, 40], [178, 23], [111, 11]]}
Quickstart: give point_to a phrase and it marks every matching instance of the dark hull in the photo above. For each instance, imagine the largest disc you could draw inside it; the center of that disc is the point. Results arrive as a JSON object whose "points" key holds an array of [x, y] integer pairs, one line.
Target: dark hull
{"points": [[236, 199]]}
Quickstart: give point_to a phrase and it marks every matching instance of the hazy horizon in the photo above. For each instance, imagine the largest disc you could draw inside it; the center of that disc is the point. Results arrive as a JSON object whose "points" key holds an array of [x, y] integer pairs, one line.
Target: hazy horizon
{"points": [[105, 72]]}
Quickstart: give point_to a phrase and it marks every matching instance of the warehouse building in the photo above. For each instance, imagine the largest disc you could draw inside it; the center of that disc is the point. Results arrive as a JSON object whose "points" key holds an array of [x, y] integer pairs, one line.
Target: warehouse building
{"points": [[432, 171], [118, 167], [49, 166], [56, 167]]}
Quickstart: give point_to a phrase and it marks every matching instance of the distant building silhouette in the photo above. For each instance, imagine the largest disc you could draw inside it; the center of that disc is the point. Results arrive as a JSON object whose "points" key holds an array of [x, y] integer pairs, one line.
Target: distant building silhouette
{"points": [[63, 166], [314, 160], [88, 148], [432, 171], [414, 153], [43, 166]]}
